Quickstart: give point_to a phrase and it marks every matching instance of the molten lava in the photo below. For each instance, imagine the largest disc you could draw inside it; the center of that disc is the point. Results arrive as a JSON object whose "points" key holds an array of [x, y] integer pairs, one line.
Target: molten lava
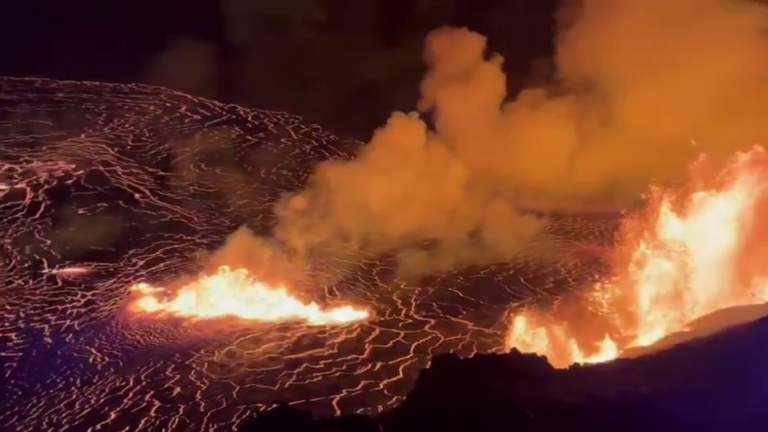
{"points": [[697, 250], [234, 293]]}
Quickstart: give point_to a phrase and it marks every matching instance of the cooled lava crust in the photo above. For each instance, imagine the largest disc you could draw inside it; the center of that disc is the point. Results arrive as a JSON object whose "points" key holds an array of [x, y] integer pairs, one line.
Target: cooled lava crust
{"points": [[103, 186], [716, 383]]}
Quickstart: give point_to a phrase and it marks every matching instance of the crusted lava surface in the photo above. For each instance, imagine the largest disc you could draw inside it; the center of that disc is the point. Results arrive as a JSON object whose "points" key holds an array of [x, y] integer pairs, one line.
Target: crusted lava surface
{"points": [[715, 383], [104, 186]]}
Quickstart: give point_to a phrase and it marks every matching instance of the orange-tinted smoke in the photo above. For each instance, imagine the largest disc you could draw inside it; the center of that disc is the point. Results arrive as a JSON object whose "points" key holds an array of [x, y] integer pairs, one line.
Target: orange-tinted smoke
{"points": [[642, 87]]}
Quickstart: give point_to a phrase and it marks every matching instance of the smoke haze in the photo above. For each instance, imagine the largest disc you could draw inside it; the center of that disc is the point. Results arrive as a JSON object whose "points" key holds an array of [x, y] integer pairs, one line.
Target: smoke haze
{"points": [[641, 88]]}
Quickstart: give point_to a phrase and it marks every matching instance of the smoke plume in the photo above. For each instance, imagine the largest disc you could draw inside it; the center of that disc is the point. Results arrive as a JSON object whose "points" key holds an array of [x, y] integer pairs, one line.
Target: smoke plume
{"points": [[641, 88]]}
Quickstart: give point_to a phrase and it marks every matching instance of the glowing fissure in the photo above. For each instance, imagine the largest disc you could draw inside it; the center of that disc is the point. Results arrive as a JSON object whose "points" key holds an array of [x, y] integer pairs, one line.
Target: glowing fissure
{"points": [[684, 263], [234, 293]]}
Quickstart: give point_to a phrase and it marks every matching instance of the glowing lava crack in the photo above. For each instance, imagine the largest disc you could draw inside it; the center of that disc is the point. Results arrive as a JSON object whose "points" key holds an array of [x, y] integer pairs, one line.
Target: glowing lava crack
{"points": [[108, 187], [234, 293]]}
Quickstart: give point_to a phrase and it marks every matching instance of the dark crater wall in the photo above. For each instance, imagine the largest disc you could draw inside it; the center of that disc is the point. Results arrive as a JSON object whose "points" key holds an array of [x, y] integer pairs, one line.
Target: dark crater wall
{"points": [[711, 384]]}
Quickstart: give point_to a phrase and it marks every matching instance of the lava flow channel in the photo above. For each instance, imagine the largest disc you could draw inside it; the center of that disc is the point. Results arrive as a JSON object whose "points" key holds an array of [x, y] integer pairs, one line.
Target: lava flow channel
{"points": [[697, 250]]}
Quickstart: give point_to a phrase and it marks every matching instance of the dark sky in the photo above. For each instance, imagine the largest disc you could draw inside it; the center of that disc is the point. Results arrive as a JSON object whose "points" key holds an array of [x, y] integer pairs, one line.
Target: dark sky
{"points": [[122, 41], [88, 39]]}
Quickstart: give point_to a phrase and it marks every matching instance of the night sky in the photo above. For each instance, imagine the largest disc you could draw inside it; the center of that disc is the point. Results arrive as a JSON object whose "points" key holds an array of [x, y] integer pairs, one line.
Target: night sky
{"points": [[122, 41]]}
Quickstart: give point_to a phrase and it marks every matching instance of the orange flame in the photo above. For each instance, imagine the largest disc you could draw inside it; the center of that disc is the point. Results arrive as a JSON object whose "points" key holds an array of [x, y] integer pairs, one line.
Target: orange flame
{"points": [[694, 254], [554, 342], [234, 293]]}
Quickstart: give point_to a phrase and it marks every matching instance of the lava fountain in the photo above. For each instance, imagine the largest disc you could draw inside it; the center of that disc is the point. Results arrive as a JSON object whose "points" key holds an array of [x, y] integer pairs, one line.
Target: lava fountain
{"points": [[235, 293], [696, 250]]}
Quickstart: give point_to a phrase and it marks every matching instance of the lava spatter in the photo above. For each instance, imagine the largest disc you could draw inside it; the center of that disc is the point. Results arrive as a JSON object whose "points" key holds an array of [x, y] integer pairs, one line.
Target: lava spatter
{"points": [[235, 293], [133, 183], [696, 251]]}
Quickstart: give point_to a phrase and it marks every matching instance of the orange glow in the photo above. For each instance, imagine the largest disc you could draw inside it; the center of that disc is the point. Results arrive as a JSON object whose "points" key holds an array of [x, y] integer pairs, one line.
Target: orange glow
{"points": [[553, 341], [234, 293], [691, 254]]}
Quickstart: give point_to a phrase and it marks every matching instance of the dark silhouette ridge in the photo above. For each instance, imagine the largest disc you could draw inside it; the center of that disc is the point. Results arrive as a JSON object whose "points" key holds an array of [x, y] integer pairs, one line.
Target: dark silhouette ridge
{"points": [[711, 384]]}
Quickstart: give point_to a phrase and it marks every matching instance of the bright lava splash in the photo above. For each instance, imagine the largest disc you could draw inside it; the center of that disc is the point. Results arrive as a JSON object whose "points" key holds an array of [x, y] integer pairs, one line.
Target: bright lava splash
{"points": [[234, 293], [696, 250]]}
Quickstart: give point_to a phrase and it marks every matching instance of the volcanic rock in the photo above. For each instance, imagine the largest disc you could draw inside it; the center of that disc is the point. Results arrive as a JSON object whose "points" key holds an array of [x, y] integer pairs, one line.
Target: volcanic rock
{"points": [[711, 383]]}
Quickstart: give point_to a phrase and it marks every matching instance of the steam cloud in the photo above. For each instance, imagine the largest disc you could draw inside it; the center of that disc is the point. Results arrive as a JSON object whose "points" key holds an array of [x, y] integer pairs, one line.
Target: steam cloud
{"points": [[641, 89]]}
